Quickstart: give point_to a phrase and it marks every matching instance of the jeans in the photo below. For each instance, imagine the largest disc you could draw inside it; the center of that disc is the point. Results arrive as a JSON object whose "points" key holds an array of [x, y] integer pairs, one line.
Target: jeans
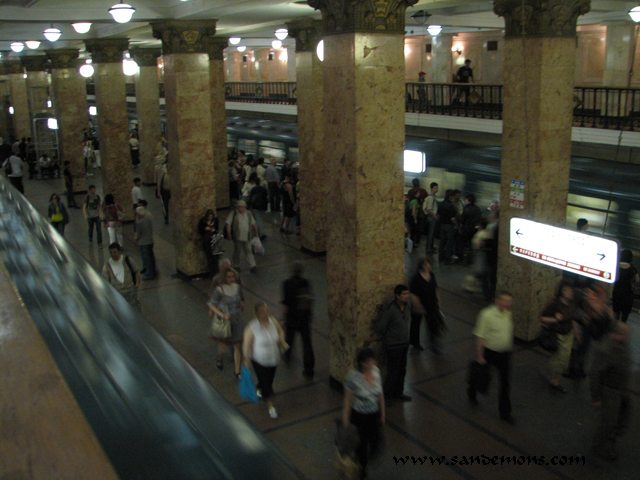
{"points": [[502, 361], [309, 359], [396, 370], [95, 221], [148, 260], [447, 239]]}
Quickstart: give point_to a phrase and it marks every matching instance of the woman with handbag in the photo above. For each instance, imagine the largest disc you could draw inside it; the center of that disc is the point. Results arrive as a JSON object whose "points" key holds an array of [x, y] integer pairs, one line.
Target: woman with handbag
{"points": [[364, 405], [263, 341], [425, 301], [227, 303], [113, 215], [57, 213], [560, 316]]}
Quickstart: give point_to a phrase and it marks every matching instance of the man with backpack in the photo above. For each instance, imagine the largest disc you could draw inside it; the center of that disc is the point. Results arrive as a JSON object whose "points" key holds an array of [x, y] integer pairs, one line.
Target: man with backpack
{"points": [[297, 313]]}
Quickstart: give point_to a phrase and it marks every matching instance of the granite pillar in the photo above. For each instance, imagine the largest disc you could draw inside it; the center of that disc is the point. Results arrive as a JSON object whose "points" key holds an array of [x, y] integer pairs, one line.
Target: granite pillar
{"points": [[441, 67], [219, 120], [148, 109], [6, 120], [618, 58], [19, 99], [113, 122], [314, 188], [536, 140], [37, 83], [70, 103], [187, 83], [364, 62]]}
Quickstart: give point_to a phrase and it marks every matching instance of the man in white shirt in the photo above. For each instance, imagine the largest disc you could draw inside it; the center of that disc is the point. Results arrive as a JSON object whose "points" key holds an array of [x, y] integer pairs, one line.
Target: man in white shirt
{"points": [[494, 342], [430, 207], [242, 227], [17, 167]]}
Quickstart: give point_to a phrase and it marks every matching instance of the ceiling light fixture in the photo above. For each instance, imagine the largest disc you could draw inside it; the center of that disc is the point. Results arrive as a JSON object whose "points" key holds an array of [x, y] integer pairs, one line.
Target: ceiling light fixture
{"points": [[241, 48], [11, 111], [129, 66], [86, 70], [52, 123], [52, 34], [276, 44], [234, 40], [635, 14], [282, 33], [17, 47], [32, 44], [320, 50], [434, 30], [122, 12], [93, 110], [81, 27]]}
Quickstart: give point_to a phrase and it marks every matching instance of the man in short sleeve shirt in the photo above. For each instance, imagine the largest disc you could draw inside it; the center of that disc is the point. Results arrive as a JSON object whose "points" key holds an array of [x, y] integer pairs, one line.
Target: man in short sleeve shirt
{"points": [[494, 342]]}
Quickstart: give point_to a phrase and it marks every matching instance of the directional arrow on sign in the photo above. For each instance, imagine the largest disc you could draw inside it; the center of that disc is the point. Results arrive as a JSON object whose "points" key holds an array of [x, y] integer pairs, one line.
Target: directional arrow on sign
{"points": [[601, 255], [518, 232]]}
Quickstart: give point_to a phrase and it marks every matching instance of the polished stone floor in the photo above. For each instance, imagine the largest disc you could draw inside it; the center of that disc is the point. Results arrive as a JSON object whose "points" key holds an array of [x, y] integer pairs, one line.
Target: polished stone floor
{"points": [[438, 423]]}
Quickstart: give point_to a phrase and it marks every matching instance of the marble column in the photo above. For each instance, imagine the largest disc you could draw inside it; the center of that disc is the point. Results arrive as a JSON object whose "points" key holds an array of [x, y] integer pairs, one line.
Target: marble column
{"points": [[70, 103], [187, 83], [314, 188], [113, 122], [19, 98], [536, 139], [6, 122], [364, 72], [441, 67], [618, 58], [219, 119], [148, 109], [37, 83]]}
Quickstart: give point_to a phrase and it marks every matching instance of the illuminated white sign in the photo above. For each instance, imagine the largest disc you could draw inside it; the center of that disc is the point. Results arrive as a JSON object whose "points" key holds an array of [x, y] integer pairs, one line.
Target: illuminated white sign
{"points": [[593, 257]]}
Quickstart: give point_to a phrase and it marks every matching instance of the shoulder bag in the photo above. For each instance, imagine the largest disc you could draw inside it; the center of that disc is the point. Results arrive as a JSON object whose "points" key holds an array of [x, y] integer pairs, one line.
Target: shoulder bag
{"points": [[220, 327]]}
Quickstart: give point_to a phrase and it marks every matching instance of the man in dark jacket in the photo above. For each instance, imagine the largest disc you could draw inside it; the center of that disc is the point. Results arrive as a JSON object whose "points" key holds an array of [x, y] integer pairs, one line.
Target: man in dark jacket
{"points": [[298, 312]]}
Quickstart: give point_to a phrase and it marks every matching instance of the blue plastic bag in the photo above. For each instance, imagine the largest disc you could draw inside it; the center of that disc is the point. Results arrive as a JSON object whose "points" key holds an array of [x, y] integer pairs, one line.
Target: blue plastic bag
{"points": [[246, 387]]}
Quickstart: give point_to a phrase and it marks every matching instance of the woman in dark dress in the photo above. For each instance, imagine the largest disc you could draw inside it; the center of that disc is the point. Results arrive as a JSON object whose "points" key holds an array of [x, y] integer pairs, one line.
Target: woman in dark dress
{"points": [[425, 301], [622, 297], [208, 228]]}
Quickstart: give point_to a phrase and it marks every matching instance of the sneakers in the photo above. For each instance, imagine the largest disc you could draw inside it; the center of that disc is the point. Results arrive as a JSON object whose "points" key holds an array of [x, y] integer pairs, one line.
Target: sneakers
{"points": [[273, 413]]}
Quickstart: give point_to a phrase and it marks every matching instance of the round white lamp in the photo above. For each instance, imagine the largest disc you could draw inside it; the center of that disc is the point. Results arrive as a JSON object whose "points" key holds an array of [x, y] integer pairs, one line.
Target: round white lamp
{"points": [[17, 47], [320, 50], [282, 33], [32, 44], [86, 70], [434, 30], [52, 34], [122, 12], [81, 27], [234, 40]]}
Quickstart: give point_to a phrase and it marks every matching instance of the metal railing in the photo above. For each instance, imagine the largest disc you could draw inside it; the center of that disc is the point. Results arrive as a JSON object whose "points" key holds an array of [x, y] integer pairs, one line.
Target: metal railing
{"points": [[283, 93], [594, 107]]}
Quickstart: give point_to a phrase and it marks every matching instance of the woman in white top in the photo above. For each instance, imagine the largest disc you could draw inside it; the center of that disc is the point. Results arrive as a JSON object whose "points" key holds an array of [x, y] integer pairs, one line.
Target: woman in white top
{"points": [[263, 338]]}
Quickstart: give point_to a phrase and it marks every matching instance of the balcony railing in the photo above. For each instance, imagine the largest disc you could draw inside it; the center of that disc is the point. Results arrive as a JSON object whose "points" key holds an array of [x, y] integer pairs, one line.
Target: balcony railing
{"points": [[594, 107]]}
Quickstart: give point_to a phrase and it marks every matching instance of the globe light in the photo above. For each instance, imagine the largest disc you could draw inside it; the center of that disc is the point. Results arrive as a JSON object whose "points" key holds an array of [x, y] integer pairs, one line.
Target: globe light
{"points": [[234, 40], [32, 44], [320, 50], [17, 47], [81, 27], [86, 70], [282, 33], [241, 48], [434, 30], [635, 14], [276, 44], [122, 12], [11, 111], [130, 67], [52, 34], [52, 123]]}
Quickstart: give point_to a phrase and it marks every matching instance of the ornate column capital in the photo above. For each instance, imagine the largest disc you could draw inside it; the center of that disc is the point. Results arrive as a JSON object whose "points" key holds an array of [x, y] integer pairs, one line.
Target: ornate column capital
{"points": [[12, 67], [35, 63], [107, 50], [372, 16], [215, 47], [184, 36], [63, 58], [146, 57], [541, 18], [307, 32]]}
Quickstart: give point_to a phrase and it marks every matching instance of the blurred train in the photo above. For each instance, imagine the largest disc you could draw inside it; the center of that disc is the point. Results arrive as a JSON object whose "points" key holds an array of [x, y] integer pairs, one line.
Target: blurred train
{"points": [[603, 192]]}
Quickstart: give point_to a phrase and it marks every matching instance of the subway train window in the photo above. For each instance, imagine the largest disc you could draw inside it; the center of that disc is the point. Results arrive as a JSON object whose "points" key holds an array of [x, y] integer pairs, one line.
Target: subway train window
{"points": [[231, 141], [248, 146], [414, 161], [293, 154]]}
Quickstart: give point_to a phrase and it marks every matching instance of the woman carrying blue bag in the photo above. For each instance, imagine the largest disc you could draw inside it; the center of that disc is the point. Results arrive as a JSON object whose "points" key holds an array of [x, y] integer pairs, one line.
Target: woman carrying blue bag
{"points": [[263, 340]]}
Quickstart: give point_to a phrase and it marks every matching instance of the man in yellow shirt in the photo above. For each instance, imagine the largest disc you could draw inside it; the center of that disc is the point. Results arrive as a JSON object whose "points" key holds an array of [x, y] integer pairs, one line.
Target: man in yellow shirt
{"points": [[494, 342]]}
